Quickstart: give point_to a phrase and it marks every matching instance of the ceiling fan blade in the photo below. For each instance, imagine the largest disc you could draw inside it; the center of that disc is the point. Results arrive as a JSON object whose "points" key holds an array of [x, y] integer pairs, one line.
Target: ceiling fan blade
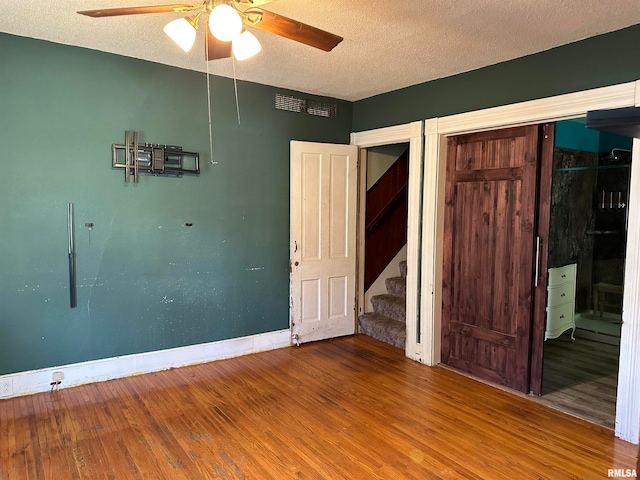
{"points": [[294, 30], [214, 48], [112, 12], [243, 5]]}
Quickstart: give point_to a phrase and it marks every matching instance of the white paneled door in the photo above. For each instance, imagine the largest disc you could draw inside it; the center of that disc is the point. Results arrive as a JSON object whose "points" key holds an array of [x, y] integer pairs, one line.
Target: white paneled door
{"points": [[323, 240]]}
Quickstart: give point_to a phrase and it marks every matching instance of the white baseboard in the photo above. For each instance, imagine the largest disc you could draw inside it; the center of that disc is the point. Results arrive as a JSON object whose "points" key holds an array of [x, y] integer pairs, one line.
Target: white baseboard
{"points": [[35, 381]]}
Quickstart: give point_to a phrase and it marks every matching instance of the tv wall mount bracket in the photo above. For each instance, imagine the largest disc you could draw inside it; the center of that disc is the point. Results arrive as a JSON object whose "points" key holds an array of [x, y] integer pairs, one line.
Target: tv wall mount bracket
{"points": [[152, 158]]}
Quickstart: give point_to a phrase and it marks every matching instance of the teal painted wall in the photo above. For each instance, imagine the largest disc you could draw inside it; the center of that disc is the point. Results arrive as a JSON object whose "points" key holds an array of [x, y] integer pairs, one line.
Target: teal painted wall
{"points": [[574, 135], [595, 62], [145, 281], [609, 141]]}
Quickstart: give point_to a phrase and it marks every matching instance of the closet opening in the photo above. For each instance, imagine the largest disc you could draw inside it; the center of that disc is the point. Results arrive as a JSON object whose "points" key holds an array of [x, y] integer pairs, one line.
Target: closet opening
{"points": [[586, 263]]}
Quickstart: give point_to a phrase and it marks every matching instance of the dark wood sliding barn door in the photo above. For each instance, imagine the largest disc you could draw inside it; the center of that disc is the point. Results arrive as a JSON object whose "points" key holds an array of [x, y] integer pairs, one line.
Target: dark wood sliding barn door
{"points": [[489, 250]]}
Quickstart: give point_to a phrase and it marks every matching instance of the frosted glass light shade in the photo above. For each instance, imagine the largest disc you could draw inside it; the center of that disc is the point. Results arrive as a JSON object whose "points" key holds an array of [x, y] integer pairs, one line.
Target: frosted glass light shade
{"points": [[225, 23], [245, 45], [182, 32]]}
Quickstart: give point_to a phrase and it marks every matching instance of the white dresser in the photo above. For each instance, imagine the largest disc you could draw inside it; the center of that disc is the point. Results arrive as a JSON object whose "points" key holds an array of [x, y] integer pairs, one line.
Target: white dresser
{"points": [[561, 299]]}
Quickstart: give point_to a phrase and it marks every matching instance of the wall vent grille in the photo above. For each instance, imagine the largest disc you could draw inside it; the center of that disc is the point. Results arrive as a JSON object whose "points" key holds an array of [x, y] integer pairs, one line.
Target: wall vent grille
{"points": [[310, 107]]}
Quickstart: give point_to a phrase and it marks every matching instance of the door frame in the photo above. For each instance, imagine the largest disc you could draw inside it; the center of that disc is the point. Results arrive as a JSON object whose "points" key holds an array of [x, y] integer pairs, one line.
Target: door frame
{"points": [[551, 109], [411, 133]]}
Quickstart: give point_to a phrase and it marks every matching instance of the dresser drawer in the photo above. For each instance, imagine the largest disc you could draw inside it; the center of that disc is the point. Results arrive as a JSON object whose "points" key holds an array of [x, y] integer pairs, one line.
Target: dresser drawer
{"points": [[560, 314], [561, 294], [559, 319], [558, 276]]}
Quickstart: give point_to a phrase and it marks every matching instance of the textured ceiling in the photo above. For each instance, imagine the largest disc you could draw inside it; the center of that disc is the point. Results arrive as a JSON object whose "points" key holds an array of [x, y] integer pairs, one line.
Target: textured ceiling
{"points": [[387, 44]]}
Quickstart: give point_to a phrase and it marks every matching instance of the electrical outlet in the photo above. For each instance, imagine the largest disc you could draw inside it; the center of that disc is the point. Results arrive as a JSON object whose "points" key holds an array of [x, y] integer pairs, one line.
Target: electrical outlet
{"points": [[58, 376], [6, 387]]}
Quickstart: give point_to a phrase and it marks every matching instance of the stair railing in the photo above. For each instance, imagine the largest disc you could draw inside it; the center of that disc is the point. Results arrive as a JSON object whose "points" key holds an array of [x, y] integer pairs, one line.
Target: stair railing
{"points": [[386, 219]]}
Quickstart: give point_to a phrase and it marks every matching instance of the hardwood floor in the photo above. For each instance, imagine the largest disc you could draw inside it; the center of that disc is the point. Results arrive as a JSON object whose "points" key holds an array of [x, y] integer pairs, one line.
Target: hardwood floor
{"points": [[350, 408], [581, 378]]}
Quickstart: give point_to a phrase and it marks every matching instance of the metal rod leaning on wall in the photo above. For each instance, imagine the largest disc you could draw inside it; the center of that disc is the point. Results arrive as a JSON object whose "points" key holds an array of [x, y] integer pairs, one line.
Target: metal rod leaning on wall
{"points": [[72, 257]]}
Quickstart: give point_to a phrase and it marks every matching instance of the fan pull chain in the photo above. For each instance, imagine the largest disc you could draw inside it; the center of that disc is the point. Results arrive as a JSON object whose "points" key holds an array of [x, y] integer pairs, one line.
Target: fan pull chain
{"points": [[211, 161], [235, 86]]}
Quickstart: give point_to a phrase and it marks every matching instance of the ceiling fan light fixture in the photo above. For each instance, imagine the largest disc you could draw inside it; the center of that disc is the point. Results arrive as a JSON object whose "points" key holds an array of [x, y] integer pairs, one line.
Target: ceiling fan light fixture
{"points": [[182, 31], [225, 23], [245, 46]]}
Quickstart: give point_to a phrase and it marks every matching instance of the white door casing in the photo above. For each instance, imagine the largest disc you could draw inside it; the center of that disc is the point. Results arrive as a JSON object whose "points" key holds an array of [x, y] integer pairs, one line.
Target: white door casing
{"points": [[543, 110], [324, 192], [412, 133]]}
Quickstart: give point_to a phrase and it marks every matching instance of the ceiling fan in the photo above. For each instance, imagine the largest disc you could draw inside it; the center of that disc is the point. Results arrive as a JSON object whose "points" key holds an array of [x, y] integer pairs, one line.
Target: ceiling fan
{"points": [[225, 22]]}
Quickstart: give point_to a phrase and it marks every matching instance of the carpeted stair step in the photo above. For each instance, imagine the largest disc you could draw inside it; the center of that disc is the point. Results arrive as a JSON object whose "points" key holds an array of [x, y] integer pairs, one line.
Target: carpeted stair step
{"points": [[396, 286], [383, 328], [403, 268], [390, 306]]}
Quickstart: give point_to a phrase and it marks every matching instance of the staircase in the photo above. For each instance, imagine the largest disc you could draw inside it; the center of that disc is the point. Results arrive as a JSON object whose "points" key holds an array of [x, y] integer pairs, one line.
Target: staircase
{"points": [[386, 219], [388, 322]]}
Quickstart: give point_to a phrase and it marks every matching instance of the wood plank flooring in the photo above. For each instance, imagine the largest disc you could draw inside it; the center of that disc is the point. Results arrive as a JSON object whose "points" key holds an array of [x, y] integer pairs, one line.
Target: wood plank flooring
{"points": [[350, 408], [581, 378]]}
